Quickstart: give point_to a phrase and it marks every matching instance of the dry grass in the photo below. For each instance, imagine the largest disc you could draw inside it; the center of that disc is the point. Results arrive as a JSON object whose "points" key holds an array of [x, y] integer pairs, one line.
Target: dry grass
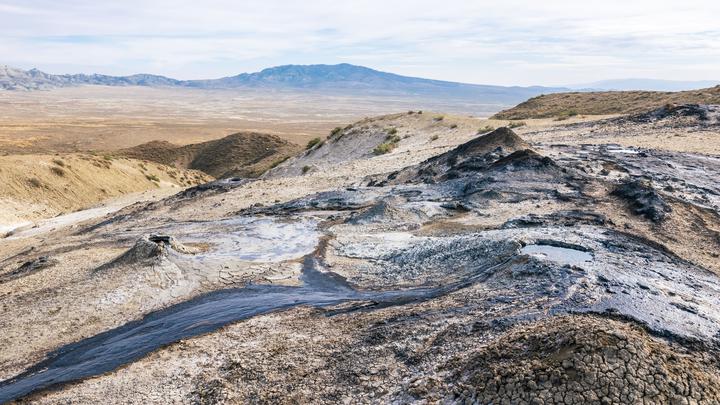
{"points": [[565, 105], [42, 186], [245, 154]]}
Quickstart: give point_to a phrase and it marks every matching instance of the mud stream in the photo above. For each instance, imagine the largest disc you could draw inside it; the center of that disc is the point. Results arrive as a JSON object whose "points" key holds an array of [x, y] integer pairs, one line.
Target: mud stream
{"points": [[109, 350]]}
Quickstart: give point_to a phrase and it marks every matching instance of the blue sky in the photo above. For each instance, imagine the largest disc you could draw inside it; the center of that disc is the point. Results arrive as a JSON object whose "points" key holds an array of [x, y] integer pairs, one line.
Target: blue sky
{"points": [[510, 42]]}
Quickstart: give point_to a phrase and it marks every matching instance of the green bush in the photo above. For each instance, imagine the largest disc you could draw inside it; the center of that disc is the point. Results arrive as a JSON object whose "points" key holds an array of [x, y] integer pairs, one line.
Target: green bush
{"points": [[392, 139], [486, 129], [315, 141], [392, 131], [334, 132], [277, 162], [306, 169], [152, 177], [384, 148]]}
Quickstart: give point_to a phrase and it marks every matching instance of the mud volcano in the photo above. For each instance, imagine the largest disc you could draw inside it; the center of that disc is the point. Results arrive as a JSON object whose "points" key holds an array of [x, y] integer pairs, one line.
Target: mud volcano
{"points": [[496, 272]]}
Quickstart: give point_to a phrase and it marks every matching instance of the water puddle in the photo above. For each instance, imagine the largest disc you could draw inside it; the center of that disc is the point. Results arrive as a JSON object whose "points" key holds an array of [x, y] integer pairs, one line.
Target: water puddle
{"points": [[558, 254], [625, 151]]}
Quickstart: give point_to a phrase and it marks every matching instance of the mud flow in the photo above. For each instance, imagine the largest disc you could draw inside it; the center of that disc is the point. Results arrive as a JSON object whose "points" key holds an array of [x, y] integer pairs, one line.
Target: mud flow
{"points": [[496, 272]]}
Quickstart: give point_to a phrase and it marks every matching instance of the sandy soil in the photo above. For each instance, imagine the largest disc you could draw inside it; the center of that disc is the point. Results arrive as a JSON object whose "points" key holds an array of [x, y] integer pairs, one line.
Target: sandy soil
{"points": [[109, 118]]}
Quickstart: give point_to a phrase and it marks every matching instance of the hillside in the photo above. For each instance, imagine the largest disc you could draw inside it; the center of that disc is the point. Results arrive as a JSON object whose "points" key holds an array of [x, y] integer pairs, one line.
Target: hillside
{"points": [[462, 265], [321, 78], [605, 103], [47, 185], [245, 154]]}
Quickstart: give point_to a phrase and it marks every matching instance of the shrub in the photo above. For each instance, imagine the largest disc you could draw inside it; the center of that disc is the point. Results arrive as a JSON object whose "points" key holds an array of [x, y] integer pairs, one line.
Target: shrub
{"points": [[35, 182], [277, 162], [306, 169], [58, 171], [392, 131], [434, 138], [384, 148], [566, 114], [59, 162], [517, 124], [438, 118], [315, 141], [453, 126], [108, 158], [486, 129], [334, 132], [392, 139], [152, 177]]}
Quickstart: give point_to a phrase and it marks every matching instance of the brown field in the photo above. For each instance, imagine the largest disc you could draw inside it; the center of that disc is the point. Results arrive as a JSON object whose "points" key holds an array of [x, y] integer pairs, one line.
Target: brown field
{"points": [[108, 118]]}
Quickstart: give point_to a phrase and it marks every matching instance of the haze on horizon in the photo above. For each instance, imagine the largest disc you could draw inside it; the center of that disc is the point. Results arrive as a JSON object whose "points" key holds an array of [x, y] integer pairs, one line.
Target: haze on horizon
{"points": [[516, 42]]}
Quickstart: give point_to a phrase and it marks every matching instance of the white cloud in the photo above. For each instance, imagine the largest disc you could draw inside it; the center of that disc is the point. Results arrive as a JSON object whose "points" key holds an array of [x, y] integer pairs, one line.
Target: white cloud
{"points": [[509, 42]]}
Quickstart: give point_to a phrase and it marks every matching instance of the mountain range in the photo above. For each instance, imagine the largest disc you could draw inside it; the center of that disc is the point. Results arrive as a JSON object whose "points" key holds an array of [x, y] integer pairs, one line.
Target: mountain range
{"points": [[342, 78]]}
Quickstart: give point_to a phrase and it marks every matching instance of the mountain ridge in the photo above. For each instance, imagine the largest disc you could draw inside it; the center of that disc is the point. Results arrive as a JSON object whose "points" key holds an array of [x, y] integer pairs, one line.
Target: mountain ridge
{"points": [[326, 78]]}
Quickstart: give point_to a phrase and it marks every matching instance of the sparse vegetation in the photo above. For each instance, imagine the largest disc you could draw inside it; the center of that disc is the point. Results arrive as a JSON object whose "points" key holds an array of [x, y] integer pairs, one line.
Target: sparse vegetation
{"points": [[58, 171], [35, 182], [59, 162], [434, 138], [392, 138], [278, 162], [152, 177], [334, 132], [384, 148], [306, 169], [453, 126], [316, 141], [605, 103], [438, 118], [486, 129], [392, 131], [516, 124], [390, 143], [108, 158], [566, 114]]}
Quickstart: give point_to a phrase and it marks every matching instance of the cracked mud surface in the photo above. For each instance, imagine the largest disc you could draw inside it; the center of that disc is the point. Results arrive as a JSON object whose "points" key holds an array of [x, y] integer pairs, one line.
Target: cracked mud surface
{"points": [[559, 274]]}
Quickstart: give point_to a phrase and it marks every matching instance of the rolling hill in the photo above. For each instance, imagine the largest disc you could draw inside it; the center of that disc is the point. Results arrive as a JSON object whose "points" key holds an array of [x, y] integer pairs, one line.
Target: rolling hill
{"points": [[245, 154], [605, 103]]}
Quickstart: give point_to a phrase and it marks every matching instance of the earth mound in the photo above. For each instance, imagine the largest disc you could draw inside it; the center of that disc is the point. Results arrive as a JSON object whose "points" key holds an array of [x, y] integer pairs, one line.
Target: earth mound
{"points": [[244, 154], [683, 113], [478, 154], [581, 359]]}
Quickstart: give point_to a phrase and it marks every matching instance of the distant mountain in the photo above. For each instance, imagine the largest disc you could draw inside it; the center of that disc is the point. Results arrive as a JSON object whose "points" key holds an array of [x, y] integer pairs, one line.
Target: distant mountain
{"points": [[345, 78], [33, 79], [646, 84]]}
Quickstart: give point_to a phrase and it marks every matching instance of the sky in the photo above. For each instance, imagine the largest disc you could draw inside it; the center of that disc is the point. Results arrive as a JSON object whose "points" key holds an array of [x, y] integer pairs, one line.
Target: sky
{"points": [[508, 42]]}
